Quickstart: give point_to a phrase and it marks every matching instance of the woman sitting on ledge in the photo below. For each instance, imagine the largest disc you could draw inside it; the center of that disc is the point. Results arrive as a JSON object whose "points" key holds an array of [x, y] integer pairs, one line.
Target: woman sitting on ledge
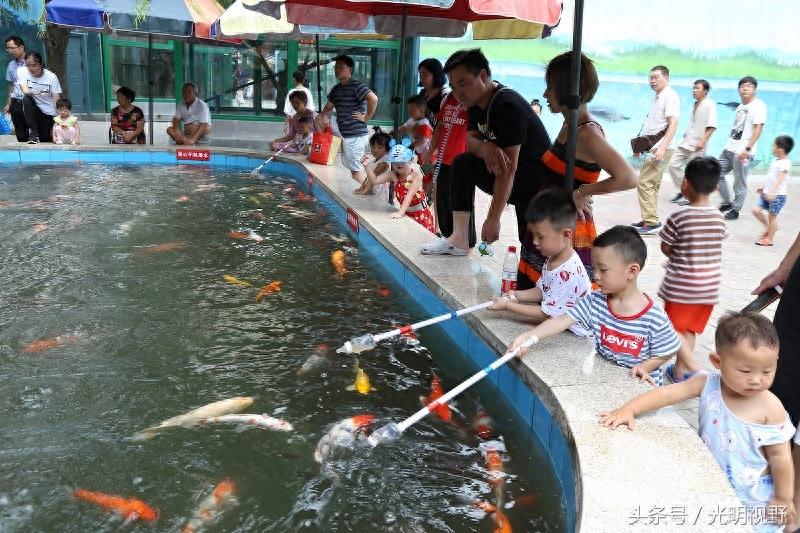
{"points": [[294, 140], [127, 120]]}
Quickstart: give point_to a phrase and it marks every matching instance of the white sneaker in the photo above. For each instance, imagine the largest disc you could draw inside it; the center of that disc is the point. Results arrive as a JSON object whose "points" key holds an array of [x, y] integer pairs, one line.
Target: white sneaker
{"points": [[441, 247]]}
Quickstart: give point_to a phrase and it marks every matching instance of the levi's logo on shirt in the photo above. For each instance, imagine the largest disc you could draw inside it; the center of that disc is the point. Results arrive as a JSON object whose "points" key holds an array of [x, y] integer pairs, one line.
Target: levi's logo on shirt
{"points": [[620, 342]]}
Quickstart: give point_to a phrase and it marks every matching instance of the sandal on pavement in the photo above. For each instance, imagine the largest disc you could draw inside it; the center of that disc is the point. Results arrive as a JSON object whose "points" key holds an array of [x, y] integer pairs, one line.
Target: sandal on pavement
{"points": [[441, 247], [763, 241], [669, 373]]}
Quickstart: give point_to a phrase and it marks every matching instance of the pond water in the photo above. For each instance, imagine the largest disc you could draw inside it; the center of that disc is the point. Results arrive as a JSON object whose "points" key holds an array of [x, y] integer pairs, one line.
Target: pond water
{"points": [[115, 316]]}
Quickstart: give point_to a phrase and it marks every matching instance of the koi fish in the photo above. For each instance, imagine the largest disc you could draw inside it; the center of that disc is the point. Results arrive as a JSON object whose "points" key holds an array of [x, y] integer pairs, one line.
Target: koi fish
{"points": [[442, 411], [483, 426], [337, 260], [211, 507], [235, 281], [303, 197], [266, 194], [249, 188], [208, 187], [338, 238], [275, 286], [259, 421], [502, 525], [38, 228], [297, 213], [49, 343], [183, 198], [494, 464], [383, 291], [257, 215], [161, 248], [315, 361], [255, 200], [191, 418], [238, 235], [361, 383], [127, 508], [343, 435]]}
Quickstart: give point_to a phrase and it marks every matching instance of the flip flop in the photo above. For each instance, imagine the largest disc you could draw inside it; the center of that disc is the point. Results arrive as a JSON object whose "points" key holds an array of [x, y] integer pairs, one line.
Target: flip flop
{"points": [[441, 247], [669, 373], [763, 242]]}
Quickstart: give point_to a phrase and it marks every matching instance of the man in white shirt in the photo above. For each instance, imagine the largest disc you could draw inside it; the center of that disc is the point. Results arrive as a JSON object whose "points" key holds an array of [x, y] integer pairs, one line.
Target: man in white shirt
{"points": [[41, 90], [196, 118], [738, 152], [663, 117], [694, 142]]}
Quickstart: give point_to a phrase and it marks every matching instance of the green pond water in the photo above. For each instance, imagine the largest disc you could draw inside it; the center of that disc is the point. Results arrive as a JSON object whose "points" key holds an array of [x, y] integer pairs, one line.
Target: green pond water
{"points": [[143, 335]]}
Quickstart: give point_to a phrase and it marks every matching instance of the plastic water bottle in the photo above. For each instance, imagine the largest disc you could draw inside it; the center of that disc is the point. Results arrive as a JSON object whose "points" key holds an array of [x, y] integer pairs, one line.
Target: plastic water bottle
{"points": [[509, 279]]}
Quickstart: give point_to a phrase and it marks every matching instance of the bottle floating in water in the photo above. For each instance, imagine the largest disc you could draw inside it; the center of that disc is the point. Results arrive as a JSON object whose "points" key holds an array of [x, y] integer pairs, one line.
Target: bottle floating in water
{"points": [[358, 344], [510, 264]]}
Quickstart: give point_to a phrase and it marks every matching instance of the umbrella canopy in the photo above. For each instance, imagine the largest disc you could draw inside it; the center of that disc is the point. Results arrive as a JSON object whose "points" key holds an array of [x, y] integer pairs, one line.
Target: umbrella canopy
{"points": [[178, 18]]}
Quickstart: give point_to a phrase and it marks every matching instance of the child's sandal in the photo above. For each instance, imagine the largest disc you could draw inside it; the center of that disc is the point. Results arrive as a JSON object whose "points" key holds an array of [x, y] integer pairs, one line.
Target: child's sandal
{"points": [[764, 242]]}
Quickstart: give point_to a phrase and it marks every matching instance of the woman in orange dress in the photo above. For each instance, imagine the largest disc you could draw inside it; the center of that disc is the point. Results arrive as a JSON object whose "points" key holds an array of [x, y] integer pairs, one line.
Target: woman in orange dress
{"points": [[593, 155]]}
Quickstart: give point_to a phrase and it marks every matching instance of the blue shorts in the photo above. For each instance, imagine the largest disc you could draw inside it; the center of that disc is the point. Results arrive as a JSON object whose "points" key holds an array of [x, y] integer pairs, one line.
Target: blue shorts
{"points": [[774, 207]]}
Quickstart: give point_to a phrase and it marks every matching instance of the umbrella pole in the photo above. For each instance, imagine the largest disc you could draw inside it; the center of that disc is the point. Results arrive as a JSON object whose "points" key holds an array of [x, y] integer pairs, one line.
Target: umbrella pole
{"points": [[574, 95], [150, 83], [320, 105]]}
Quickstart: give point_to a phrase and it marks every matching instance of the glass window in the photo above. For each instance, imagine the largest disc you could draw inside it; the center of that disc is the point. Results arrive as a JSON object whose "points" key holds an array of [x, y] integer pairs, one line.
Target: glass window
{"points": [[374, 66], [128, 66]]}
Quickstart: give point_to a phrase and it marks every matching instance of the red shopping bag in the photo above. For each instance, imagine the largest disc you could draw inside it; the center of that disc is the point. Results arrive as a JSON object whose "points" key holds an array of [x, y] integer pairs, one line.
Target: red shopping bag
{"points": [[324, 147]]}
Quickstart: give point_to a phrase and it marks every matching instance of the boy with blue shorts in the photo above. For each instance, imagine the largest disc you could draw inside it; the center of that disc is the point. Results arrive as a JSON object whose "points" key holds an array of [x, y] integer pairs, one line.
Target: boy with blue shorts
{"points": [[772, 195]]}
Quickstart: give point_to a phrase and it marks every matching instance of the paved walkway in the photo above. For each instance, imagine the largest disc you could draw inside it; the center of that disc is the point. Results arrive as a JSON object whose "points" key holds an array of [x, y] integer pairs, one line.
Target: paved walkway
{"points": [[743, 263]]}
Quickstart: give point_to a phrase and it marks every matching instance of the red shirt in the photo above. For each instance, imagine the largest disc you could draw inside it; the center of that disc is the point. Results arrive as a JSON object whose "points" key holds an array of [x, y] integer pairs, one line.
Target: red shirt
{"points": [[453, 117]]}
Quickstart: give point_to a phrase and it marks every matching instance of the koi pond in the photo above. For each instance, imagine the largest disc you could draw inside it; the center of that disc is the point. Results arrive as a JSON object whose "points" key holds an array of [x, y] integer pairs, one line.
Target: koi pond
{"points": [[134, 294]]}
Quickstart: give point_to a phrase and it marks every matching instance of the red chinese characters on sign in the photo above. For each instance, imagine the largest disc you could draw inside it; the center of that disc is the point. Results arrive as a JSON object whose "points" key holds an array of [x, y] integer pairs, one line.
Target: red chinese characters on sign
{"points": [[194, 154], [352, 220]]}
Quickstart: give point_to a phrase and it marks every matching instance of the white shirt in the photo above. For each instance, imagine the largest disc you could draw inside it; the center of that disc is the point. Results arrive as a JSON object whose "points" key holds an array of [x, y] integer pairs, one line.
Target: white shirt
{"points": [[197, 113], [562, 287], [43, 88], [289, 111], [775, 169], [666, 104], [747, 116], [704, 115]]}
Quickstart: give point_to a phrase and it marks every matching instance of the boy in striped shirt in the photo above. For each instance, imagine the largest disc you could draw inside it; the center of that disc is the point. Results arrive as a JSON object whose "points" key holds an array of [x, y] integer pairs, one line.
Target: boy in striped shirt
{"points": [[629, 328], [692, 241]]}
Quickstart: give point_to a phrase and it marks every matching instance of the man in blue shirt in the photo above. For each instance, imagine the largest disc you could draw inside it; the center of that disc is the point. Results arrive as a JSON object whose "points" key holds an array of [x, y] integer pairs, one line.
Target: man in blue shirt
{"points": [[15, 47]]}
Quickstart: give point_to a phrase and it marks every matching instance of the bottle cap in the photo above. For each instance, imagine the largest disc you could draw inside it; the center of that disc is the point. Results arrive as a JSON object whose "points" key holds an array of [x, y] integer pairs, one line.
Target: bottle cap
{"points": [[512, 249]]}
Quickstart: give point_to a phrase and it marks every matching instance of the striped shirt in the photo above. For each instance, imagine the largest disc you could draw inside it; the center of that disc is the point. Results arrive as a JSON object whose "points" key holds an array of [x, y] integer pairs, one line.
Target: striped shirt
{"points": [[348, 98], [694, 268], [626, 340]]}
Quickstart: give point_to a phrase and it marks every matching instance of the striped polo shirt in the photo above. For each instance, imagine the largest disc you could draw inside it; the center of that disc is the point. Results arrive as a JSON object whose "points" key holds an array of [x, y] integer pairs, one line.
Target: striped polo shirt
{"points": [[626, 340], [348, 98], [694, 267]]}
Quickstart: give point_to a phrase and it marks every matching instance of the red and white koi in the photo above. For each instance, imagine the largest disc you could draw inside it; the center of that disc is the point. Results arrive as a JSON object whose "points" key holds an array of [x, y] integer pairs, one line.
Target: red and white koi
{"points": [[245, 419], [211, 507], [342, 436]]}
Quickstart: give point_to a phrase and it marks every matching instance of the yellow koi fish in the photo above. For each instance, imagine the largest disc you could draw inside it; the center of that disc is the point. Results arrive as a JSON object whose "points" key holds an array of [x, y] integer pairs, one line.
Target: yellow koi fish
{"points": [[235, 281], [361, 383]]}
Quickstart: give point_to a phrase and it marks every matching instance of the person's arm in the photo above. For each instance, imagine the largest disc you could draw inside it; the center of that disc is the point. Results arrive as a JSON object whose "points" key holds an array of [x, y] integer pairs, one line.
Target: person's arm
{"points": [[372, 106], [548, 328], [757, 129], [530, 311], [324, 117], [433, 153], [288, 137], [666, 249], [199, 131], [77, 133], [643, 369], [653, 400], [672, 127], [386, 177], [701, 143], [416, 185], [781, 176], [56, 97], [503, 183], [8, 100], [23, 85], [781, 274], [779, 458]]}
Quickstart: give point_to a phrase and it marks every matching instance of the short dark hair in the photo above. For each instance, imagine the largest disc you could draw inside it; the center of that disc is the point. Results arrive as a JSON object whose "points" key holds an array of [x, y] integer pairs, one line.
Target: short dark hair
{"points": [[536, 101], [16, 39], [703, 173], [298, 76], [748, 79], [299, 95], [127, 92], [704, 83], [63, 102], [664, 70], [552, 205], [418, 100], [558, 76], [380, 137], [735, 327], [36, 56], [473, 60], [434, 66], [305, 119], [626, 241], [189, 84], [785, 143], [346, 59]]}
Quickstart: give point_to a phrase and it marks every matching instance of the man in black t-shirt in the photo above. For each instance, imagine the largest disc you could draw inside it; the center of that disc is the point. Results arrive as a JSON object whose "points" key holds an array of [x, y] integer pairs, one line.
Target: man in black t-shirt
{"points": [[505, 144]]}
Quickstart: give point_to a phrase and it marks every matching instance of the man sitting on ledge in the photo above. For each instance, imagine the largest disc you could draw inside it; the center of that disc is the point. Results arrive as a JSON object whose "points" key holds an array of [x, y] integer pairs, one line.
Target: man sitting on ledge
{"points": [[196, 118]]}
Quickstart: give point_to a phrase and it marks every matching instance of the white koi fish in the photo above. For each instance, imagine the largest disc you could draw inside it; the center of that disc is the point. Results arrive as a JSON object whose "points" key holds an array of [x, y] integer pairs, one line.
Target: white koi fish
{"points": [[222, 407], [260, 421]]}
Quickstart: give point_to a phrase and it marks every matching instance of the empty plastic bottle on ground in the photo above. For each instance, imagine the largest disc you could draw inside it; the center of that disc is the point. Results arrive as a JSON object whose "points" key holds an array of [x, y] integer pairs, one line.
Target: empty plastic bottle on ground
{"points": [[509, 279]]}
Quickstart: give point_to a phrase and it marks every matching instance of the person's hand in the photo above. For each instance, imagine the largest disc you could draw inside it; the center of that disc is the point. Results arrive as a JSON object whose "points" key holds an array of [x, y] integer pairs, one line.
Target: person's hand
{"points": [[495, 158], [617, 417], [700, 146], [364, 159], [773, 279], [643, 375], [398, 214], [6, 108], [189, 141], [499, 303], [780, 511], [583, 204], [490, 232], [770, 197], [359, 116], [285, 127], [659, 152], [518, 343], [743, 156], [760, 189]]}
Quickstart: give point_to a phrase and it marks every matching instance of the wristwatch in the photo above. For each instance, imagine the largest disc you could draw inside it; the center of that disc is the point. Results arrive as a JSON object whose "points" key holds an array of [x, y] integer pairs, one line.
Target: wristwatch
{"points": [[747, 148]]}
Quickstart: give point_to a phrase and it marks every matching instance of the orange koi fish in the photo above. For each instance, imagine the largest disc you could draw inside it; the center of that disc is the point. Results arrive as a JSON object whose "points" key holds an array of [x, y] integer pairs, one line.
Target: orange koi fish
{"points": [[238, 235], [502, 525], [161, 248], [495, 466], [258, 215], [303, 197], [442, 411], [383, 291], [483, 425], [49, 343], [211, 507], [127, 508], [337, 259], [275, 286]]}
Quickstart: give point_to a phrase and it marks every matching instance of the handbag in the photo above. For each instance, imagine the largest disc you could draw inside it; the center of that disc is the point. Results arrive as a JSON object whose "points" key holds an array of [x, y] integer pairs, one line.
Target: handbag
{"points": [[324, 147], [643, 143]]}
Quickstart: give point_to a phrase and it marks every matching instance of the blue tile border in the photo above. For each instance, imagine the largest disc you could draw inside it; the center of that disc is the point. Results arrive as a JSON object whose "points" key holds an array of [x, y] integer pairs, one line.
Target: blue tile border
{"points": [[523, 402]]}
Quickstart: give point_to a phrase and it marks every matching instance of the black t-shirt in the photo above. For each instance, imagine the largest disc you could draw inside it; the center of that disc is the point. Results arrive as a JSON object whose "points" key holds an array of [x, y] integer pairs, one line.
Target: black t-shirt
{"points": [[513, 122], [434, 104]]}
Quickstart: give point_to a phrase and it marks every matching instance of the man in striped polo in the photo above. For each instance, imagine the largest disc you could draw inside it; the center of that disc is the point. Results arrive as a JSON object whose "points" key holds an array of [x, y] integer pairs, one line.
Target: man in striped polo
{"points": [[355, 104]]}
